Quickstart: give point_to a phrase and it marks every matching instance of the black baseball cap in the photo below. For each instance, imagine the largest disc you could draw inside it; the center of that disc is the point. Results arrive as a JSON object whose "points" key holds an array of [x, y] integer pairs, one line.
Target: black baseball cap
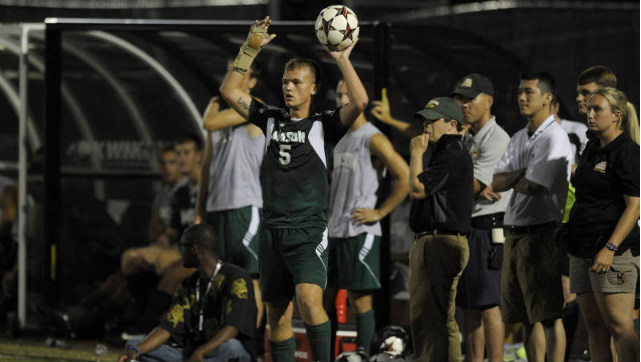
{"points": [[472, 85], [440, 107]]}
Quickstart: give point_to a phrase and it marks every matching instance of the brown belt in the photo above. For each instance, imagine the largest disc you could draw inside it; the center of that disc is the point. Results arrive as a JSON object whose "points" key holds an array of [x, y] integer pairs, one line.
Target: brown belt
{"points": [[437, 232]]}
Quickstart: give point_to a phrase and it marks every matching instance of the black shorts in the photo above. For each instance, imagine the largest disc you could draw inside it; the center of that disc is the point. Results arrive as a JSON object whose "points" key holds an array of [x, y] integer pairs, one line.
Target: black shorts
{"points": [[479, 286]]}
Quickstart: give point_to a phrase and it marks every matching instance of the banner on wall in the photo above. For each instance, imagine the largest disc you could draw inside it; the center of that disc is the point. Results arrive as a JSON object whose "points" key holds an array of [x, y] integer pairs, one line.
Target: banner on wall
{"points": [[113, 154]]}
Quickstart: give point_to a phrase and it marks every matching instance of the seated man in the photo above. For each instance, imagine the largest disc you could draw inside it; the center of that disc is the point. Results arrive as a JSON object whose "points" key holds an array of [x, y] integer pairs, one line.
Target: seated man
{"points": [[136, 295], [213, 314]]}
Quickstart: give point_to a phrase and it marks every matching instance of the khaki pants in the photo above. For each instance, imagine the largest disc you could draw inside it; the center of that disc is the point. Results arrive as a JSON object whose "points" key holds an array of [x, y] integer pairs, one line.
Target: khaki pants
{"points": [[436, 264]]}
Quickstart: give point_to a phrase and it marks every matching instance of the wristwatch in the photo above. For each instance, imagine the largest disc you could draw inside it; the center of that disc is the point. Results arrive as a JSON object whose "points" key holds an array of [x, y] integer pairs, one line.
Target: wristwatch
{"points": [[611, 246], [135, 349]]}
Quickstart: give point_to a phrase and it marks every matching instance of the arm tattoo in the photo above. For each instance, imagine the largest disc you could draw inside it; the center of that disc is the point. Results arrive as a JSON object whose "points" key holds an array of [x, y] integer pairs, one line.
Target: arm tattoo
{"points": [[243, 104]]}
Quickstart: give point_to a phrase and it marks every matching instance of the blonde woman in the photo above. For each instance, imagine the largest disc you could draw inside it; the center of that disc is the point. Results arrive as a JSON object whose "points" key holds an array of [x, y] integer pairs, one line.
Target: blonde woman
{"points": [[604, 247]]}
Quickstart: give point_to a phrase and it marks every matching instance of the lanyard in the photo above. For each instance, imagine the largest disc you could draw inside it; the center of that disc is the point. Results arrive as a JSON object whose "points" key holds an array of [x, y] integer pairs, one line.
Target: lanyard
{"points": [[201, 318]]}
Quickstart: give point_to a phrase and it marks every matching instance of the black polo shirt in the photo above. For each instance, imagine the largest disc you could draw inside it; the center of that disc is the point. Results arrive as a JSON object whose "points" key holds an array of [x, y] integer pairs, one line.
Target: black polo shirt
{"points": [[601, 179], [449, 184]]}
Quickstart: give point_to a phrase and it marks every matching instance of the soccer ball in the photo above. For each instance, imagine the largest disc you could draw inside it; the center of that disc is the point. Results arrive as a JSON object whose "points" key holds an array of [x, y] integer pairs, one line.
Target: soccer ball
{"points": [[389, 357], [352, 356], [336, 27], [393, 340]]}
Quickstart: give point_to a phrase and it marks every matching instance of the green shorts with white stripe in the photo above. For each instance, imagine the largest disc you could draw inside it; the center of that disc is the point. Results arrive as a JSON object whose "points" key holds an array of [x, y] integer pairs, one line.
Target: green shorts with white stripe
{"points": [[287, 257], [237, 236], [354, 262]]}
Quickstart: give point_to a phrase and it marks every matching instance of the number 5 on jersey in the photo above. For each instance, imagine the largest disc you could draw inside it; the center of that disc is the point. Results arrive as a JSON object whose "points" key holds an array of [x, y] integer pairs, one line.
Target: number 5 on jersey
{"points": [[285, 156]]}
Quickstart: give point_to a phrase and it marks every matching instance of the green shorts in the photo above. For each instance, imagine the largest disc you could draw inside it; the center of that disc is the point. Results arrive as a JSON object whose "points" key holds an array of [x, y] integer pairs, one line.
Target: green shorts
{"points": [[288, 257], [237, 236], [354, 263]]}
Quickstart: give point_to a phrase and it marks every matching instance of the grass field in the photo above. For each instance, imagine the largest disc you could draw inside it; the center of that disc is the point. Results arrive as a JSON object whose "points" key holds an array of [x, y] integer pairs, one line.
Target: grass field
{"points": [[33, 351]]}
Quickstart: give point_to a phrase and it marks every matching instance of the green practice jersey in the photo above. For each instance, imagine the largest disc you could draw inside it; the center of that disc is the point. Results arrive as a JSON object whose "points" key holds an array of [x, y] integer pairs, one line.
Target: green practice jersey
{"points": [[294, 175]]}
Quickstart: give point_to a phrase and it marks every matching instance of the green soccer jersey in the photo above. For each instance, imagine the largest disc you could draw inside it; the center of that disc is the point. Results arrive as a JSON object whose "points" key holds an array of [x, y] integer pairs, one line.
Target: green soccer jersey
{"points": [[293, 175]]}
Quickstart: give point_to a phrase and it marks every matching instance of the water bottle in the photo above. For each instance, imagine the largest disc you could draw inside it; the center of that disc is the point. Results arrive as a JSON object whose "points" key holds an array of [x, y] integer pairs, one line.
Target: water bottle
{"points": [[498, 239], [498, 236]]}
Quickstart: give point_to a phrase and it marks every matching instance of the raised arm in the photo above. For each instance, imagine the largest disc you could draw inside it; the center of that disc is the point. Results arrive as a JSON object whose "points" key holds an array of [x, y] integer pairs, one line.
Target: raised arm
{"points": [[382, 112], [381, 148], [215, 119], [355, 91], [231, 88]]}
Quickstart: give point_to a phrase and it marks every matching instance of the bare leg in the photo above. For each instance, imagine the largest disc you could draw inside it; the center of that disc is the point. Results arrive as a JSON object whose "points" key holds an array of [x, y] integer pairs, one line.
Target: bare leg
{"points": [[555, 340], [279, 317], [598, 334], [472, 329], [617, 311], [309, 298], [494, 332], [259, 302], [534, 338]]}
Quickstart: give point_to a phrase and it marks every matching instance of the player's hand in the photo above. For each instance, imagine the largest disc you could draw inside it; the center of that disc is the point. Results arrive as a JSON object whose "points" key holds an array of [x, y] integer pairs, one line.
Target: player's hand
{"points": [[419, 143], [265, 23], [198, 220], [362, 216], [127, 356], [489, 194], [339, 55], [603, 261], [382, 112]]}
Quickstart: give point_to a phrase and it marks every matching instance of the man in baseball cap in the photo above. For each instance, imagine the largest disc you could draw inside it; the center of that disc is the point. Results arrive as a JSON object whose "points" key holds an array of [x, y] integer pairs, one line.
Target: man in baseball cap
{"points": [[472, 85], [479, 289], [441, 190], [441, 115]]}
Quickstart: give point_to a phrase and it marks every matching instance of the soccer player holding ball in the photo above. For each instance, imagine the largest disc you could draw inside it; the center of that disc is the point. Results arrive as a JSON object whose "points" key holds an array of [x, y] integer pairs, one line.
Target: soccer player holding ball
{"points": [[292, 258]]}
